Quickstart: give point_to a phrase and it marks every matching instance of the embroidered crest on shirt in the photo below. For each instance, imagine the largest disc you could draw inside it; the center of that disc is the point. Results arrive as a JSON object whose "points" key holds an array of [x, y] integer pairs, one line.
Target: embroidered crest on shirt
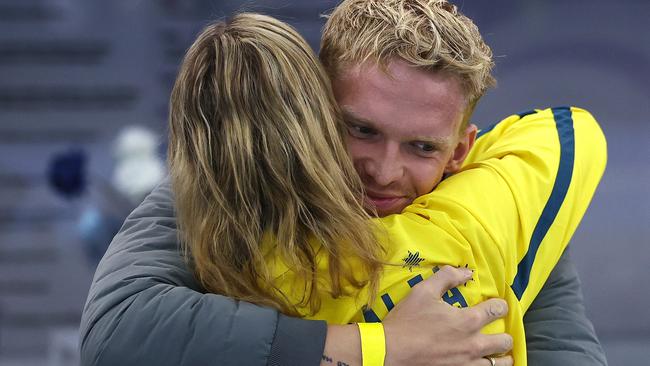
{"points": [[412, 260]]}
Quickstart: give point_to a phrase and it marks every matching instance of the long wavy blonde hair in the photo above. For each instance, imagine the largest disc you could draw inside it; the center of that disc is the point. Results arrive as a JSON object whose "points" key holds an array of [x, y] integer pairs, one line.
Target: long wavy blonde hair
{"points": [[256, 151]]}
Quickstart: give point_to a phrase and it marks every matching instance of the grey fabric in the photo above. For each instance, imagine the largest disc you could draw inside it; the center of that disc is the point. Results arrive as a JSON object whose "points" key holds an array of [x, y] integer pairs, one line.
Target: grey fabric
{"points": [[297, 342], [558, 331], [145, 308]]}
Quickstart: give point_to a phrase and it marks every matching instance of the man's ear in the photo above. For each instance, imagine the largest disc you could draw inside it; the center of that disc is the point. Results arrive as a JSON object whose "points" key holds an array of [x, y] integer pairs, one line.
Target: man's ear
{"points": [[464, 145]]}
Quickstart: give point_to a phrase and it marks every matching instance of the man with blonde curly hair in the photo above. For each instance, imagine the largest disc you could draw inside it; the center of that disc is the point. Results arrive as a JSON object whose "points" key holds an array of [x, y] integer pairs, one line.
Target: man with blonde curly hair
{"points": [[400, 67], [407, 75]]}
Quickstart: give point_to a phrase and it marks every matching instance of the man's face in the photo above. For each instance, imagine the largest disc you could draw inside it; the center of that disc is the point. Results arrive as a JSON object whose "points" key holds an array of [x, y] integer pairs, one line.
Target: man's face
{"points": [[403, 130]]}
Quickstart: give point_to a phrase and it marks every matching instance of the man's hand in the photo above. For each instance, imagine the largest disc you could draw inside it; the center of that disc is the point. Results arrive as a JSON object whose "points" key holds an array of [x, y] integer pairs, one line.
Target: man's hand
{"points": [[424, 330]]}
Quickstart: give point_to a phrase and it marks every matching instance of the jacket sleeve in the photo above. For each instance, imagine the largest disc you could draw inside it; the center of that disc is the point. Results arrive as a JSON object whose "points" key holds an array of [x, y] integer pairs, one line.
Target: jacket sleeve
{"points": [[558, 331], [144, 307]]}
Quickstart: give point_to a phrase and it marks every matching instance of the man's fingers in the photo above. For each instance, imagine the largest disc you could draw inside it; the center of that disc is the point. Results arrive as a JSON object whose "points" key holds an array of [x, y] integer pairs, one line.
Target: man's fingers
{"points": [[494, 344], [445, 279], [486, 312]]}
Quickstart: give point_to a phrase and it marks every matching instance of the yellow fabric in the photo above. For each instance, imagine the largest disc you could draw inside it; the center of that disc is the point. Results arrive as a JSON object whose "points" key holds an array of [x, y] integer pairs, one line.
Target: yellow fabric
{"points": [[373, 344], [483, 218]]}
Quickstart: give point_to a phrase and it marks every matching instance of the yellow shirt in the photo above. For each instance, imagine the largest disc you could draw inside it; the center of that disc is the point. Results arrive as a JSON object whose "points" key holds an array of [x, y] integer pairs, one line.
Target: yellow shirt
{"points": [[508, 215]]}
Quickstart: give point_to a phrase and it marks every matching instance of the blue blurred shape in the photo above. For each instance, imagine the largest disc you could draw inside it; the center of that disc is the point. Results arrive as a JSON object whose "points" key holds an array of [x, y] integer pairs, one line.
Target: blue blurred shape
{"points": [[67, 173], [96, 229]]}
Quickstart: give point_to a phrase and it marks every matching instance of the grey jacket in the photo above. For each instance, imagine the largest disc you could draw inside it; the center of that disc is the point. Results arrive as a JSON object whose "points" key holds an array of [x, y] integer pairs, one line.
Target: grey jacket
{"points": [[145, 308]]}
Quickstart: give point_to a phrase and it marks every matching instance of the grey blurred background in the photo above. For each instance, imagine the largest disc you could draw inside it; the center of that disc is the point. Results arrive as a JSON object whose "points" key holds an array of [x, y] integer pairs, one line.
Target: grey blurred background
{"points": [[73, 73]]}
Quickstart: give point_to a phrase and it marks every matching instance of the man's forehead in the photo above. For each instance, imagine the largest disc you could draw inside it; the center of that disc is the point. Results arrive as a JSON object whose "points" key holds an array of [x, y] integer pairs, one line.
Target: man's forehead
{"points": [[396, 70], [403, 84]]}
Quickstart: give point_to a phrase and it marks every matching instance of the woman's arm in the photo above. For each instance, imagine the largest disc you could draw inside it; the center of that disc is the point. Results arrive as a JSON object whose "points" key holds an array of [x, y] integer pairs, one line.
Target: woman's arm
{"points": [[145, 308]]}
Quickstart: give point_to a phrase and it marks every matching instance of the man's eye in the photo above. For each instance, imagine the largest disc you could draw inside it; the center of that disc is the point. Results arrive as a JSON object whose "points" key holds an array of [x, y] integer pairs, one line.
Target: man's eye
{"points": [[364, 130], [361, 131], [424, 147]]}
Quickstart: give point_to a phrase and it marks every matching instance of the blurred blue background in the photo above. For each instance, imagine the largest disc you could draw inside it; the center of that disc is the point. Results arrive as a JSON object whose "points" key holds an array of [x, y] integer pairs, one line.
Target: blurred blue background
{"points": [[75, 73]]}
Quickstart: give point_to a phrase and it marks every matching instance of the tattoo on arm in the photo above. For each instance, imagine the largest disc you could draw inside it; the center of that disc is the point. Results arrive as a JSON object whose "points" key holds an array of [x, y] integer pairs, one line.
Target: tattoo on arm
{"points": [[329, 359]]}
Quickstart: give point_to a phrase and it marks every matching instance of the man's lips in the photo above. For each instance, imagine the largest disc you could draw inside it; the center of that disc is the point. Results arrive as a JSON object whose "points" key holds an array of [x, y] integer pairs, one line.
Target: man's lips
{"points": [[384, 202]]}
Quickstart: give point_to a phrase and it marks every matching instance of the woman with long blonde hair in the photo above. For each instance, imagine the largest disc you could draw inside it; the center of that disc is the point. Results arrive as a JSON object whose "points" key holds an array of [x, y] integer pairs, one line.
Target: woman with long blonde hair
{"points": [[256, 151]]}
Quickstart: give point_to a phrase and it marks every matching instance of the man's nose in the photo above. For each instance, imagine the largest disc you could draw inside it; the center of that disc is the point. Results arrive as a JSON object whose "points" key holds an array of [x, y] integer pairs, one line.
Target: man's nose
{"points": [[385, 167]]}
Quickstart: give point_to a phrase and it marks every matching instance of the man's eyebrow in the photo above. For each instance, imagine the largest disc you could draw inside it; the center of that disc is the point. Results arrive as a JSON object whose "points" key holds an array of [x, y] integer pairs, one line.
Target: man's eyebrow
{"points": [[438, 142], [350, 117]]}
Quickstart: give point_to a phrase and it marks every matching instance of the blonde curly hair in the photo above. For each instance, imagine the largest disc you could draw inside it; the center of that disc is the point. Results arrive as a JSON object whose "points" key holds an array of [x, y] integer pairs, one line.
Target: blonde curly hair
{"points": [[431, 34]]}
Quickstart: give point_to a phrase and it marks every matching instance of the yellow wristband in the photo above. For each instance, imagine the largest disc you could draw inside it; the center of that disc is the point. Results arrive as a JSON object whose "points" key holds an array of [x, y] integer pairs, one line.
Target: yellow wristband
{"points": [[373, 344]]}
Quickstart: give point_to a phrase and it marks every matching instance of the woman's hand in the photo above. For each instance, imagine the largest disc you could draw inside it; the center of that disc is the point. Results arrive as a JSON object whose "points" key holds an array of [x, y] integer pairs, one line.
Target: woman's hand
{"points": [[424, 330]]}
